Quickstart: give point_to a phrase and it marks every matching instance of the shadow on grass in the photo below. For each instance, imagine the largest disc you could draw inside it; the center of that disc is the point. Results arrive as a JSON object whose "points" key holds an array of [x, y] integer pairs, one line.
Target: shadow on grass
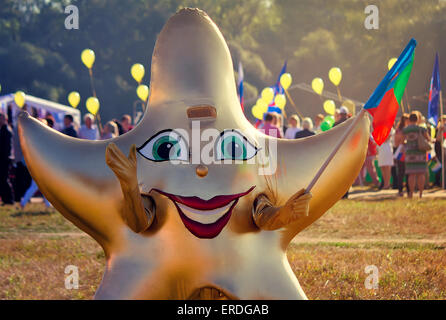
{"points": [[19, 214]]}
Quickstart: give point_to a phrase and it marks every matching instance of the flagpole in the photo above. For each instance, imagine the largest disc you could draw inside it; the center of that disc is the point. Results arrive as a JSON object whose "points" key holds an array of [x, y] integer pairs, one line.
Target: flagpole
{"points": [[442, 149], [335, 150]]}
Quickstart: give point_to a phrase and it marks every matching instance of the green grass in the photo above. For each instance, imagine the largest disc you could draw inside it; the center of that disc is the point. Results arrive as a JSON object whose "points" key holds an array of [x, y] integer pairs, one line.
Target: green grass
{"points": [[406, 240]]}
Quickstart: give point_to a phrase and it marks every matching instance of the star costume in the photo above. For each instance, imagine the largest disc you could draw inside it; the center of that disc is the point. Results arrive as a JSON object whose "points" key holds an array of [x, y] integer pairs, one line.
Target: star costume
{"points": [[184, 230]]}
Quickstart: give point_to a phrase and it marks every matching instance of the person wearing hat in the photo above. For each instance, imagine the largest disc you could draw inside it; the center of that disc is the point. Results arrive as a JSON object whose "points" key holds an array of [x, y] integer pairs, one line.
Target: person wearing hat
{"points": [[343, 115]]}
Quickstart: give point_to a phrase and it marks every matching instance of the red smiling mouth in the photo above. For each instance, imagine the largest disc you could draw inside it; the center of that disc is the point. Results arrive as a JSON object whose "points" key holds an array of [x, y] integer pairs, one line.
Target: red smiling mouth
{"points": [[205, 218]]}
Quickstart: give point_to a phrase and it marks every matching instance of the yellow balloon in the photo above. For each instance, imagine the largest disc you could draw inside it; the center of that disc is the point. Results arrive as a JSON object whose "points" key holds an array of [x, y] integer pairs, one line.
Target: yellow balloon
{"points": [[92, 104], [143, 92], [318, 85], [257, 112], [267, 95], [391, 63], [329, 107], [263, 106], [19, 98], [280, 101], [88, 57], [335, 75], [137, 72], [285, 80], [74, 98]]}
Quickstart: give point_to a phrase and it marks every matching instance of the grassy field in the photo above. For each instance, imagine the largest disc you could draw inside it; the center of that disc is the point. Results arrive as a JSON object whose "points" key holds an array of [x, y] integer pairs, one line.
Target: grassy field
{"points": [[405, 240]]}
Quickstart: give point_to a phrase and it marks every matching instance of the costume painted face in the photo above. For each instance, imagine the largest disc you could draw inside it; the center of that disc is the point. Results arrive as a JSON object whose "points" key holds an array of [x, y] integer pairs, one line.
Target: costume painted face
{"points": [[199, 238]]}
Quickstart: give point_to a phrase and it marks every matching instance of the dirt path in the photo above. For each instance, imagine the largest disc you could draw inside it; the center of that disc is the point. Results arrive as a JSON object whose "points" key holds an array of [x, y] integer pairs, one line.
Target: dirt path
{"points": [[304, 240], [359, 193], [297, 240]]}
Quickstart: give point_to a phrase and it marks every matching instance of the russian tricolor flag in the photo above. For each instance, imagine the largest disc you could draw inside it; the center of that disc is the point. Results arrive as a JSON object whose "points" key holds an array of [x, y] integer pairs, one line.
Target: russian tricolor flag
{"points": [[384, 102]]}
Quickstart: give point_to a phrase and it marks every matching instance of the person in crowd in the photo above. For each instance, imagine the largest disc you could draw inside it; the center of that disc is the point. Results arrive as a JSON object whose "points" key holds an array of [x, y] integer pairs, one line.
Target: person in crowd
{"points": [[415, 159], [88, 130], [278, 122], [317, 123], [337, 115], [369, 165], [22, 178], [50, 121], [6, 136], [307, 129], [293, 127], [110, 130], [33, 188], [68, 126], [126, 123], [440, 151], [343, 115], [119, 126], [385, 161], [269, 128], [398, 143]]}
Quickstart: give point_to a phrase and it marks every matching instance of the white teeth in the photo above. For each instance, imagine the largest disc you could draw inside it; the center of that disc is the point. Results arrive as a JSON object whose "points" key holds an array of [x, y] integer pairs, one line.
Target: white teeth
{"points": [[204, 216]]}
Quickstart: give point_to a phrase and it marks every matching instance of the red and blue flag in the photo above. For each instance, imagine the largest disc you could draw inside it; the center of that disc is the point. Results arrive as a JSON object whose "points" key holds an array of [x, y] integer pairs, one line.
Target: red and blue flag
{"points": [[384, 102]]}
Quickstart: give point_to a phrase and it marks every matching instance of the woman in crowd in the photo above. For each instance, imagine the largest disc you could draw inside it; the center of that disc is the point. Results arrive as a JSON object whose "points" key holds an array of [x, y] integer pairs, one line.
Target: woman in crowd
{"points": [[307, 129], [398, 143], [293, 127], [415, 159], [278, 122], [385, 161], [110, 131], [317, 123]]}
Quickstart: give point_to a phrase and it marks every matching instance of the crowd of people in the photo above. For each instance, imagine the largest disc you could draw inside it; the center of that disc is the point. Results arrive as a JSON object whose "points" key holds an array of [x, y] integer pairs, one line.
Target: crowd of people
{"points": [[16, 184], [399, 158]]}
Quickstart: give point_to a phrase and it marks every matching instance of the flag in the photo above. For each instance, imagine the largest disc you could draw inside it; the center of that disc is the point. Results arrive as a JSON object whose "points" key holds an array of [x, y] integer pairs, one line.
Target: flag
{"points": [[384, 102], [399, 153], [278, 89], [435, 166], [240, 84], [434, 94]]}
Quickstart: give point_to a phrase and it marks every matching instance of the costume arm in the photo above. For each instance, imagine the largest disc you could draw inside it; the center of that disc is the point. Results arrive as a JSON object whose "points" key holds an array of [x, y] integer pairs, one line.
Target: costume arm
{"points": [[137, 216]]}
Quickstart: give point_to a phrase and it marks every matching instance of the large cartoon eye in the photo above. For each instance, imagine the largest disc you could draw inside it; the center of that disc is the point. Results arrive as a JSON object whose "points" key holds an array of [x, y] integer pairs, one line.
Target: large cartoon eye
{"points": [[232, 145], [164, 146]]}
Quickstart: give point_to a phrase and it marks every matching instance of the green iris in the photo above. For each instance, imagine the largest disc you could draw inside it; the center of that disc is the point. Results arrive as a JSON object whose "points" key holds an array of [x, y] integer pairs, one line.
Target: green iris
{"points": [[166, 148], [233, 147]]}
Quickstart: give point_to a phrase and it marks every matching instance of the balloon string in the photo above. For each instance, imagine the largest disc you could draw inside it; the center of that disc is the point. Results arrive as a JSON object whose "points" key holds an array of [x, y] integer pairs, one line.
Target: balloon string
{"points": [[339, 94], [292, 103], [335, 150], [98, 116]]}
